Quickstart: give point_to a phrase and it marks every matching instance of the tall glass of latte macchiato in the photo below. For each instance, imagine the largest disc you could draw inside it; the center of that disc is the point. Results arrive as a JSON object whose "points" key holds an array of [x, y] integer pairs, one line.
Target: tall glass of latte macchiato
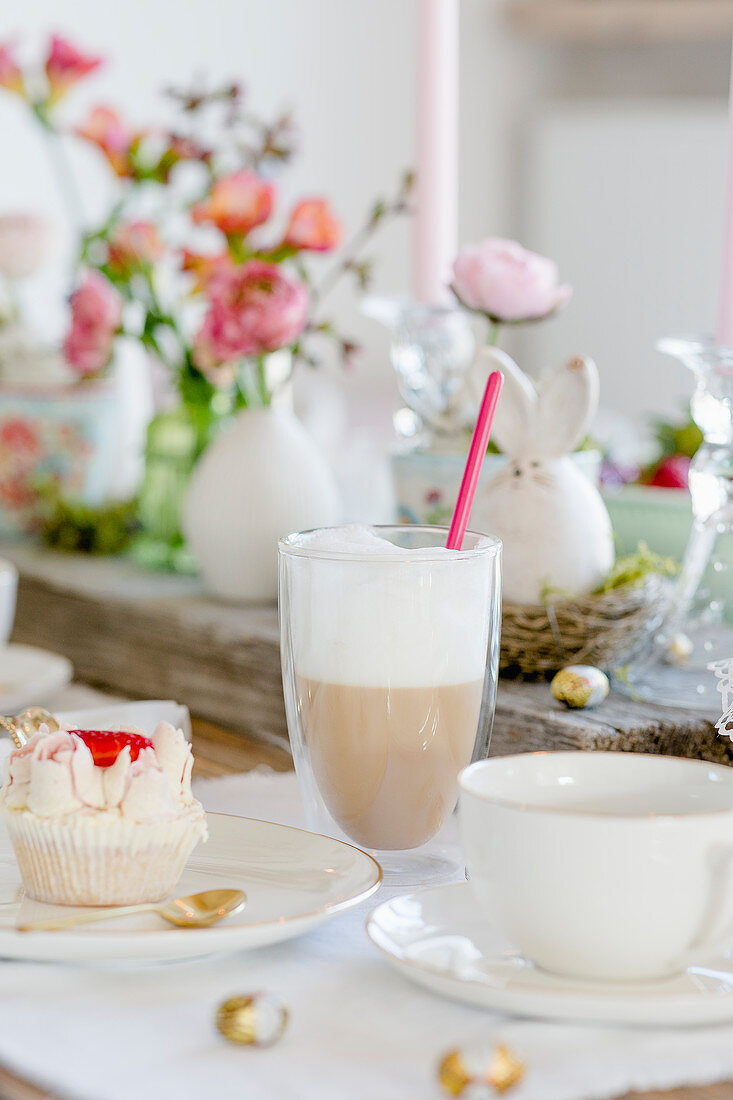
{"points": [[390, 647]]}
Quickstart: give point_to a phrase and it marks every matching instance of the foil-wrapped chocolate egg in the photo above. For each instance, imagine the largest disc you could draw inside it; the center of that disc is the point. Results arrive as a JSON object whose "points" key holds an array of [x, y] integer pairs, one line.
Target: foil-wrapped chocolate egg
{"points": [[499, 1069], [258, 1019], [679, 649], [580, 686]]}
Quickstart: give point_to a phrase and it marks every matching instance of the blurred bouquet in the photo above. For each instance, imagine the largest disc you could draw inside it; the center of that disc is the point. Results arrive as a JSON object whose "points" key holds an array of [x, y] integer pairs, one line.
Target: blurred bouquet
{"points": [[195, 259], [194, 239]]}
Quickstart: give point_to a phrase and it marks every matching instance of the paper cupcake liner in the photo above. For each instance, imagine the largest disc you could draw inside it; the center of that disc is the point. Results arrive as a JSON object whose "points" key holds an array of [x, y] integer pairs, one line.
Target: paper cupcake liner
{"points": [[101, 861]]}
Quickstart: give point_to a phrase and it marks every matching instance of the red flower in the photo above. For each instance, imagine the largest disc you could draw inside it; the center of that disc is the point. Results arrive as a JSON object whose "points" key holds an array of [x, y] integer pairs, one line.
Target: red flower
{"points": [[19, 436], [133, 246], [254, 309], [236, 203], [11, 76], [96, 314], [105, 129], [312, 226], [65, 66]]}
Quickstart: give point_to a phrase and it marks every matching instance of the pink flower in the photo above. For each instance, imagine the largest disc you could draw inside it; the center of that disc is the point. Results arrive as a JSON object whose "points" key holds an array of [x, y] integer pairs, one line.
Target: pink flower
{"points": [[506, 282], [96, 314], [133, 246], [11, 76], [19, 436], [254, 309], [65, 66], [105, 129], [205, 268], [25, 241], [312, 226], [236, 203]]}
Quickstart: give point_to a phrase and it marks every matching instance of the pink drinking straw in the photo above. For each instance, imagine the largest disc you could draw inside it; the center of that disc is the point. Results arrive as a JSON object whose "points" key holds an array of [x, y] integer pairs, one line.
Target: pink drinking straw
{"points": [[479, 443]]}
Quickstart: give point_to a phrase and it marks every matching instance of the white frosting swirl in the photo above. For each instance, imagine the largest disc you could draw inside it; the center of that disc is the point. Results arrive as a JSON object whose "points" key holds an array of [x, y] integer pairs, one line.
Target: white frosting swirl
{"points": [[54, 774]]}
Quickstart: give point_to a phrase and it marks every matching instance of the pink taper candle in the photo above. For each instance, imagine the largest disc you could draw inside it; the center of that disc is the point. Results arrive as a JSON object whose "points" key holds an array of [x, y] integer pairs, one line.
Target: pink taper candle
{"points": [[725, 310], [476, 455], [436, 184]]}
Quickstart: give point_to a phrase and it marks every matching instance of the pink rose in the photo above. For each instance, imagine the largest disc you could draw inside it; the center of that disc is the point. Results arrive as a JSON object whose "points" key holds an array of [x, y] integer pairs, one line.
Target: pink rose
{"points": [[133, 246], [25, 241], [96, 314], [11, 76], [312, 226], [506, 282], [65, 66], [254, 309], [236, 203]]}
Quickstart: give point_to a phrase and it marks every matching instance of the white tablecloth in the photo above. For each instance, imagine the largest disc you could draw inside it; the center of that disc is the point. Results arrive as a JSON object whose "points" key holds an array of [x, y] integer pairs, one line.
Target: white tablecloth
{"points": [[358, 1030]]}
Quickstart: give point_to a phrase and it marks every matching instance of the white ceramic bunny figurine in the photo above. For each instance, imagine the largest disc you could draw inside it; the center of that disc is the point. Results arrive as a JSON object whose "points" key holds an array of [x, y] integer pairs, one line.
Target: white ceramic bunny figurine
{"points": [[554, 526]]}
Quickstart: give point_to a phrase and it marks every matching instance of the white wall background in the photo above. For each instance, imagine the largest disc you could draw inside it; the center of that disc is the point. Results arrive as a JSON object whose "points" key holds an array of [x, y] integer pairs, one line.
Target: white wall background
{"points": [[627, 195]]}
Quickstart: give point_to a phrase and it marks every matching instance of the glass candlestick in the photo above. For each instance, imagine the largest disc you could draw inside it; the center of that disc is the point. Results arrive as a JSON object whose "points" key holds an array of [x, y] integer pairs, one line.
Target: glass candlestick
{"points": [[432, 351], [698, 627]]}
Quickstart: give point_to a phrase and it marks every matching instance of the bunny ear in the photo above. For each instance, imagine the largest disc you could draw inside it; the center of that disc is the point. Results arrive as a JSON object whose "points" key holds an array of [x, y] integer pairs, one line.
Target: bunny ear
{"points": [[515, 413], [567, 402]]}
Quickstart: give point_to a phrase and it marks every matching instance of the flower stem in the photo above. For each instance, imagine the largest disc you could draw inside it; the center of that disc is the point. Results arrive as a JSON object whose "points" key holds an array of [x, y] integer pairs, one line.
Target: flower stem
{"points": [[493, 337], [264, 393], [64, 176]]}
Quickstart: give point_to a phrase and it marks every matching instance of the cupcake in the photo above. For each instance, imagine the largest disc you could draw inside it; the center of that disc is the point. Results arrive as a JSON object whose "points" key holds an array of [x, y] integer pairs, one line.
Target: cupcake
{"points": [[101, 817]]}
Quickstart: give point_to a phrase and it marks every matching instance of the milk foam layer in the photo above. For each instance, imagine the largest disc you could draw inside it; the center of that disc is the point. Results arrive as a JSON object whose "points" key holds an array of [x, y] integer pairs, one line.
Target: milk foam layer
{"points": [[386, 615]]}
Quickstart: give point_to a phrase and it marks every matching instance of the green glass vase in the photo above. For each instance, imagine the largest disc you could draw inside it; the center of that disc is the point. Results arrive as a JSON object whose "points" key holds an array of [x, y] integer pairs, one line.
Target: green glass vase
{"points": [[175, 440]]}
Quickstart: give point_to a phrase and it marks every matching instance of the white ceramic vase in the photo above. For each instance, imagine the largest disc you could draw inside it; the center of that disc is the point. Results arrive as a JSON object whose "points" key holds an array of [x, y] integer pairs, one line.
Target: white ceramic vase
{"points": [[262, 478]]}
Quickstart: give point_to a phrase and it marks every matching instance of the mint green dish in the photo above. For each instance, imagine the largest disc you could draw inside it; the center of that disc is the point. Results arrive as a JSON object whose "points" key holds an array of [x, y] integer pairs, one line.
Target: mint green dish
{"points": [[660, 517]]}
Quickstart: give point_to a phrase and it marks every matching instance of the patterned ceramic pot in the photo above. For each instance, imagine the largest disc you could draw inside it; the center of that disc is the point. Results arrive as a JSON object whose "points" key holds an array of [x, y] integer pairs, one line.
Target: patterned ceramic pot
{"points": [[85, 438]]}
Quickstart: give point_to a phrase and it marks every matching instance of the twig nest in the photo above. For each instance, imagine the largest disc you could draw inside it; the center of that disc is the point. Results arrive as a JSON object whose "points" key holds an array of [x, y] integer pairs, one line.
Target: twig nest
{"points": [[580, 686], [605, 629], [256, 1019]]}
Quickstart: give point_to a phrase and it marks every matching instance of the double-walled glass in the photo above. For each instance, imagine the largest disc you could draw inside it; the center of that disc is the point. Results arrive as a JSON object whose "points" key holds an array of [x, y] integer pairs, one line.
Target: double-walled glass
{"points": [[389, 669]]}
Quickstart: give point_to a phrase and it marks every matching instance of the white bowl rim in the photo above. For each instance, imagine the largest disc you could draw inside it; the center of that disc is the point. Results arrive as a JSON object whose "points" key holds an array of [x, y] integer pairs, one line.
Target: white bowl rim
{"points": [[724, 770]]}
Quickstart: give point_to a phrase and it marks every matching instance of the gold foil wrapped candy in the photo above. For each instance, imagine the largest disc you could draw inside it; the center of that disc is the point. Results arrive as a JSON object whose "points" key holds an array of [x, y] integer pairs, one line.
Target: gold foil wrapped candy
{"points": [[580, 686], [257, 1019], [679, 649], [500, 1073]]}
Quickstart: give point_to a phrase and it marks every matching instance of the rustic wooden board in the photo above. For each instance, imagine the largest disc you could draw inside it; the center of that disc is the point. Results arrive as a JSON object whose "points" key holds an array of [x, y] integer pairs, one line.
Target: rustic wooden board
{"points": [[153, 635], [529, 719], [157, 636]]}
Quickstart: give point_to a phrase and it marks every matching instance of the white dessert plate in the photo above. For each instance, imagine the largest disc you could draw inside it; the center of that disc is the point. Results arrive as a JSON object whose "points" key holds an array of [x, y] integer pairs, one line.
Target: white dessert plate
{"points": [[29, 675], [294, 881], [440, 939]]}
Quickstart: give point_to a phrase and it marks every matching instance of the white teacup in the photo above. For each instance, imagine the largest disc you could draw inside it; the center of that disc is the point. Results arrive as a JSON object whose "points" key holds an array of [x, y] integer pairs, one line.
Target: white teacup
{"points": [[8, 592], [600, 864]]}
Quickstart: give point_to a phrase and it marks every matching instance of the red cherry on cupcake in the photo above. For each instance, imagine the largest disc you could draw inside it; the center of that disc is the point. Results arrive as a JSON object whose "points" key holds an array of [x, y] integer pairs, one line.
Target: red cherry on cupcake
{"points": [[106, 745]]}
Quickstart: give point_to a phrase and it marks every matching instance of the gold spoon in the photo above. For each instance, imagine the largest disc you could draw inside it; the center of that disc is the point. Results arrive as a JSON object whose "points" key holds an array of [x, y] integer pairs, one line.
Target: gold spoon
{"points": [[22, 727], [193, 911]]}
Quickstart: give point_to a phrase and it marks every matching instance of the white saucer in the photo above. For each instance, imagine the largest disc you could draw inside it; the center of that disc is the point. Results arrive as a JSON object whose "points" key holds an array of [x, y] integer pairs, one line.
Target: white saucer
{"points": [[439, 939], [29, 675], [294, 881]]}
